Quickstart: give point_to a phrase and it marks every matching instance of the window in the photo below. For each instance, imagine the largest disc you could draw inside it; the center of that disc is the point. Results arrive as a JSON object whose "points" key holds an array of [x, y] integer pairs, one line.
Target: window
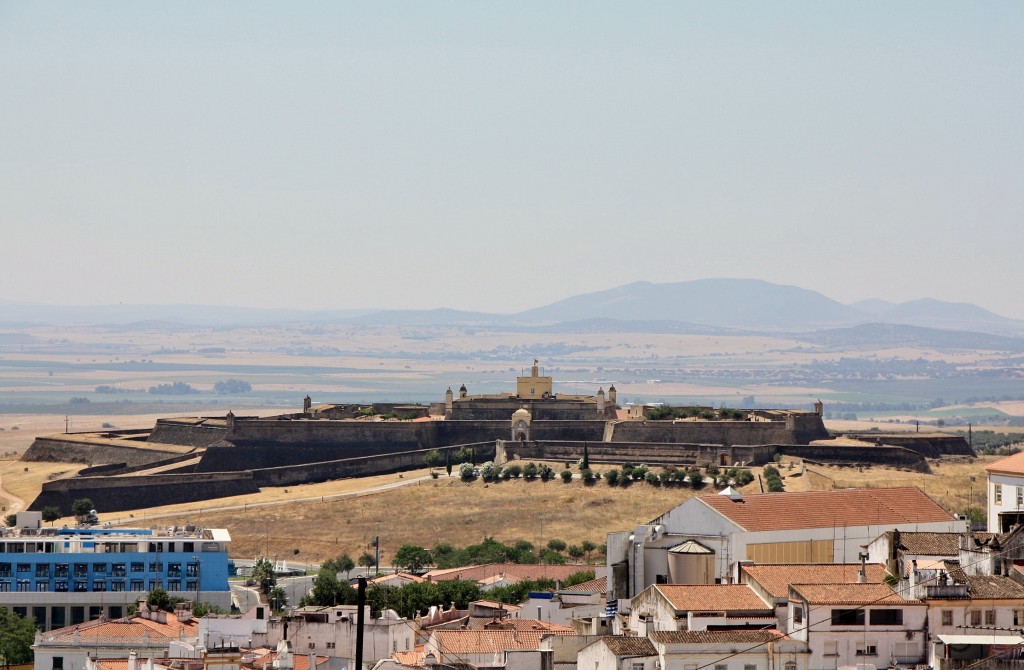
{"points": [[174, 585], [24, 585], [42, 570], [24, 567], [886, 617], [81, 569], [1020, 497], [118, 570], [174, 569], [191, 585], [138, 585], [42, 586], [831, 647], [99, 585], [99, 567], [60, 570], [188, 546], [867, 649], [947, 617], [5, 585], [156, 567], [155, 584], [312, 645], [790, 665], [997, 490], [330, 645], [58, 663], [61, 585], [847, 617], [975, 617], [990, 617], [5, 569], [138, 566], [117, 585], [192, 570], [721, 666], [1018, 618], [81, 586], [749, 666], [798, 614]]}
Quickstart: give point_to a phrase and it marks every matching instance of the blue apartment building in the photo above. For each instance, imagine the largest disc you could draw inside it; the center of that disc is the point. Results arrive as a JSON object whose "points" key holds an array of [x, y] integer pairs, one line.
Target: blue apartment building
{"points": [[66, 576]]}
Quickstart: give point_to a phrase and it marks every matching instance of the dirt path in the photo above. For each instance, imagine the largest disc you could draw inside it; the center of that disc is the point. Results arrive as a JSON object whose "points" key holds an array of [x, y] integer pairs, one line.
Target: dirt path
{"points": [[14, 503]]}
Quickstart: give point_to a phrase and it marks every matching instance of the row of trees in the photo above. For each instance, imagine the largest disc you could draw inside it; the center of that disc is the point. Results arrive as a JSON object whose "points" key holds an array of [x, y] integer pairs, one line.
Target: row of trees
{"points": [[413, 599]]}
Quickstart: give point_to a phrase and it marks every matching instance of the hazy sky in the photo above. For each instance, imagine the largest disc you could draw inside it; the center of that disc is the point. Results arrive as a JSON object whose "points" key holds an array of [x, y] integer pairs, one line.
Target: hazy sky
{"points": [[504, 155]]}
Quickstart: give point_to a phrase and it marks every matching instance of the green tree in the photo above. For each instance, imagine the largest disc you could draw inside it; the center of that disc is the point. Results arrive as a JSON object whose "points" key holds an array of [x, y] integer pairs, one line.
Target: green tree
{"points": [[612, 477], [263, 574], [448, 462], [556, 545], [11, 520], [696, 479], [530, 471], [277, 598], [588, 547], [412, 557], [329, 590], [343, 563], [432, 458], [466, 472], [566, 476], [585, 464], [576, 552], [82, 506], [51, 513], [367, 560], [17, 635], [158, 599]]}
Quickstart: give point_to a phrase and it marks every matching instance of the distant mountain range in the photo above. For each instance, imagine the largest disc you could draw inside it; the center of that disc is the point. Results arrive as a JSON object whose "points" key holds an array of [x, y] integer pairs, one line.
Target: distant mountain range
{"points": [[701, 306]]}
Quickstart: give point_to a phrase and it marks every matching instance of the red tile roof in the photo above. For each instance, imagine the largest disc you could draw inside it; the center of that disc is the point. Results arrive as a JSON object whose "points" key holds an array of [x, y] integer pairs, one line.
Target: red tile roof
{"points": [[713, 636], [629, 646], [825, 509], [128, 628], [851, 594], [599, 585], [1013, 465], [712, 597], [489, 641], [775, 579], [513, 572]]}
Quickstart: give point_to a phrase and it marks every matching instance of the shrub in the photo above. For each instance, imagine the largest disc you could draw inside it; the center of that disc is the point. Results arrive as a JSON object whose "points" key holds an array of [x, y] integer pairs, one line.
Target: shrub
{"points": [[612, 477], [696, 479], [515, 470], [530, 471], [566, 476], [466, 471], [546, 473], [652, 478]]}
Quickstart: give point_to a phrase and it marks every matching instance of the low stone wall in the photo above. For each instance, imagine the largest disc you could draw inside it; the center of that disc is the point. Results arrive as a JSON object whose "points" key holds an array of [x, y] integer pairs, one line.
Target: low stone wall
{"points": [[93, 450], [116, 494], [720, 432], [893, 457], [930, 445], [647, 453]]}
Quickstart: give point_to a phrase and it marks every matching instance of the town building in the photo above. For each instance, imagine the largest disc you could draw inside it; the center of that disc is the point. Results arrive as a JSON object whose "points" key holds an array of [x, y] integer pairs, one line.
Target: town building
{"points": [[857, 624], [697, 607], [792, 527], [148, 634], [67, 576], [1005, 493]]}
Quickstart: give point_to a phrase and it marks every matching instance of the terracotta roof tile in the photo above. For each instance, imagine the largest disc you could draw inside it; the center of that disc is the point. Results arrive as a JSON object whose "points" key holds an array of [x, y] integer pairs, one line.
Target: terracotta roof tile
{"points": [[826, 509], [300, 661], [416, 656], [629, 646], [520, 625], [513, 572], [1011, 464], [712, 597], [488, 641], [776, 579], [930, 544], [851, 594], [599, 585], [132, 627], [994, 587], [713, 636]]}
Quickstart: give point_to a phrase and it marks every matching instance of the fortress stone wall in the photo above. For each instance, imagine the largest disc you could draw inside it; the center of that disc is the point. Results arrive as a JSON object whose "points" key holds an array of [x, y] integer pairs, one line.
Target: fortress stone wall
{"points": [[720, 432], [95, 450]]}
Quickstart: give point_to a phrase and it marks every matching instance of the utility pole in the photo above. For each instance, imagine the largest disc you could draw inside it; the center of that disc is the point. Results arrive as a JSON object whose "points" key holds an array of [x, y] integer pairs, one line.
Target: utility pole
{"points": [[67, 422]]}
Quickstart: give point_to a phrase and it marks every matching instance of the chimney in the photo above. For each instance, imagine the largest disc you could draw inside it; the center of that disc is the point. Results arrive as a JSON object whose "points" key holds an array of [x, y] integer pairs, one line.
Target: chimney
{"points": [[312, 661], [862, 576], [133, 660]]}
